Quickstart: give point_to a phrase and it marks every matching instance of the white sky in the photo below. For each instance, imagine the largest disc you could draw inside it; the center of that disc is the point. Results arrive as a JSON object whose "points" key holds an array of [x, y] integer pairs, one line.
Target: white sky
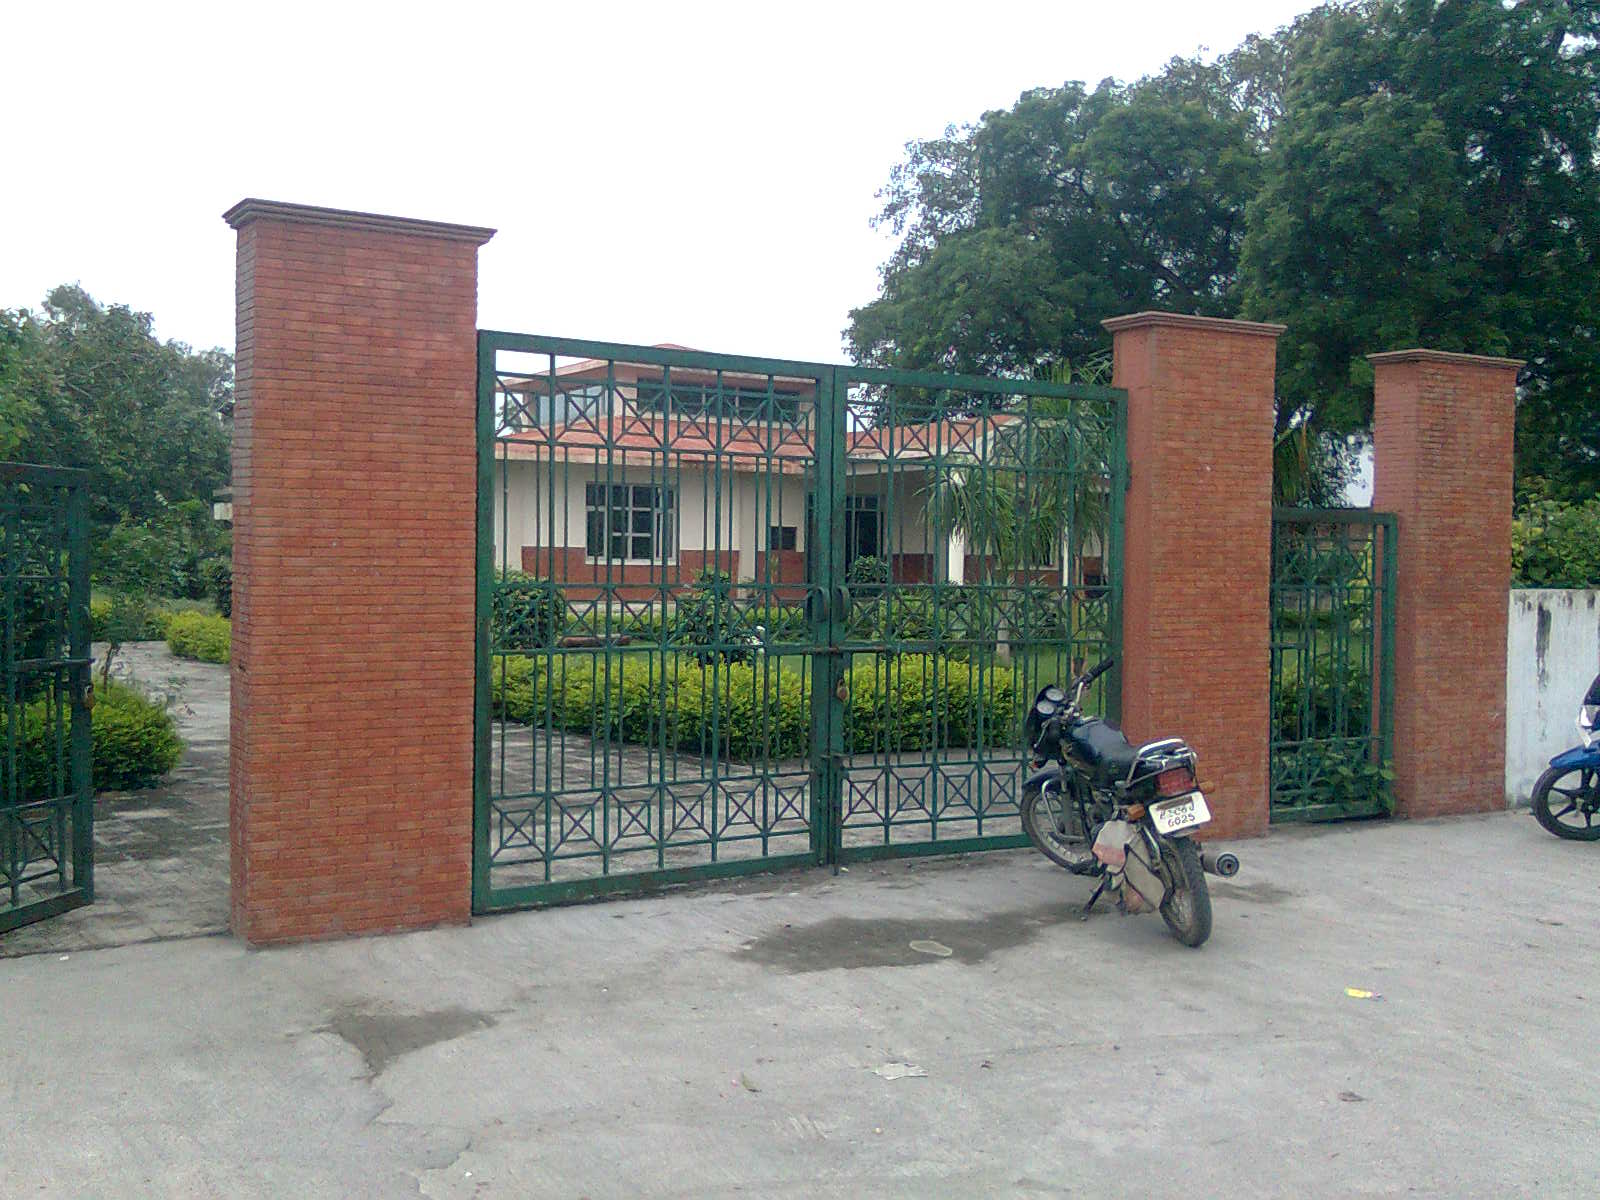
{"points": [[693, 173]]}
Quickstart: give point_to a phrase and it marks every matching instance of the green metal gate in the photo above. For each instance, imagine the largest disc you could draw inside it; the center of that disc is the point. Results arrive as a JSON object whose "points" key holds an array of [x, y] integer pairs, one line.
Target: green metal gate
{"points": [[737, 613], [1333, 591], [46, 799]]}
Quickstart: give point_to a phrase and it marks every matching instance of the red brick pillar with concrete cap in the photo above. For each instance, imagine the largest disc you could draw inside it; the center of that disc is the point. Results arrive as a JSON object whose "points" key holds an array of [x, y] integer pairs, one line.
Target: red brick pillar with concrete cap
{"points": [[1198, 548], [1442, 440], [354, 542]]}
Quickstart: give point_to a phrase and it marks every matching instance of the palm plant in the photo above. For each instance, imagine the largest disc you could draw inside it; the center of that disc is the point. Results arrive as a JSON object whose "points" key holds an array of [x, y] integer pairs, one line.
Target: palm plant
{"points": [[1031, 487]]}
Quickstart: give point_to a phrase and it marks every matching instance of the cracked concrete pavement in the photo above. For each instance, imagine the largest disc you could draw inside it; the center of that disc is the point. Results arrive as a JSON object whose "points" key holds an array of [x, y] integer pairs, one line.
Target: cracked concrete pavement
{"points": [[724, 1041]]}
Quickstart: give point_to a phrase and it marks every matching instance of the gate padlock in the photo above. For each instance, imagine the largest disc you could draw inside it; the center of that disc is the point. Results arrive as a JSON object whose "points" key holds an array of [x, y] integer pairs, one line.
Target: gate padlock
{"points": [[842, 692], [86, 696]]}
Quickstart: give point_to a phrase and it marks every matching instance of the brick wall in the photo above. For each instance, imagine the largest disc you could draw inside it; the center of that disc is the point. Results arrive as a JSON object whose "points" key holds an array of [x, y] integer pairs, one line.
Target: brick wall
{"points": [[581, 579], [354, 478], [1195, 656], [1442, 433]]}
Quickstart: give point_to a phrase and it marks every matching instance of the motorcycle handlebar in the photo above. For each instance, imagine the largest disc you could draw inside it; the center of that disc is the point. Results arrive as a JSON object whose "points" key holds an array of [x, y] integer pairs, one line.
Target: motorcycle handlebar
{"points": [[1096, 671]]}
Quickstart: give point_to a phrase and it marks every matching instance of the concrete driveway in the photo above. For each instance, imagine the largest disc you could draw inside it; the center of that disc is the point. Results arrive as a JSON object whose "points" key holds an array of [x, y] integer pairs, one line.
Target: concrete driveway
{"points": [[161, 854], [744, 1040]]}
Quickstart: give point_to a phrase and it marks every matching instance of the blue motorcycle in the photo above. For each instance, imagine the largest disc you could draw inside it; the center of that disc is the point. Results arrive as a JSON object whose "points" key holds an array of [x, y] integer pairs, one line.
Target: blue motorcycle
{"points": [[1566, 800]]}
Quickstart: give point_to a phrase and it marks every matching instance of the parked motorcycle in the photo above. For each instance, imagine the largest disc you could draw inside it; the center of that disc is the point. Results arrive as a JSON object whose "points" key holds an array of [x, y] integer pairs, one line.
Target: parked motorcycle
{"points": [[1566, 800], [1101, 807]]}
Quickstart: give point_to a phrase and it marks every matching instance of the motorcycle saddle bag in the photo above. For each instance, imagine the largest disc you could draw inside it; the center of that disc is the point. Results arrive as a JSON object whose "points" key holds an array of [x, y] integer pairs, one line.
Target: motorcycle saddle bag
{"points": [[1102, 747]]}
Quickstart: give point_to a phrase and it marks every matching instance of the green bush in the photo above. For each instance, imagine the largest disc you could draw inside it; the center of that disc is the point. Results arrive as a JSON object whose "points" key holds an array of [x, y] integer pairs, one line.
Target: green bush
{"points": [[134, 618], [199, 636], [1556, 545], [708, 624], [526, 613], [169, 553], [135, 742], [1338, 703], [917, 701], [752, 711], [868, 575]]}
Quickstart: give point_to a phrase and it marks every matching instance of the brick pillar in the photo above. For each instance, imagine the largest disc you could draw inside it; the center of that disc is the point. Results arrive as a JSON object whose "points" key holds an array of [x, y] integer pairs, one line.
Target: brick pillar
{"points": [[1198, 547], [354, 492], [1442, 430]]}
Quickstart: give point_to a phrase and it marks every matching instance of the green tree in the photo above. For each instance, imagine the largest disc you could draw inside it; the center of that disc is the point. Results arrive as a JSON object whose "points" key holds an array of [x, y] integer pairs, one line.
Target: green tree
{"points": [[1433, 180], [1377, 174], [1020, 234], [88, 386]]}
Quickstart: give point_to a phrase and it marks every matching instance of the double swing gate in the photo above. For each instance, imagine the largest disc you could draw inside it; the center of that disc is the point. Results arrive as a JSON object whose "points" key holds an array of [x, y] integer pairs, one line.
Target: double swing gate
{"points": [[46, 800], [738, 613]]}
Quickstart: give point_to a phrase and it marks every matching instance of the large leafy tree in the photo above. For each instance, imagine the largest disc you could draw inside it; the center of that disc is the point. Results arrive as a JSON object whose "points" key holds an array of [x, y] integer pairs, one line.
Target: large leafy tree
{"points": [[1378, 174], [1021, 233], [1434, 180], [88, 386]]}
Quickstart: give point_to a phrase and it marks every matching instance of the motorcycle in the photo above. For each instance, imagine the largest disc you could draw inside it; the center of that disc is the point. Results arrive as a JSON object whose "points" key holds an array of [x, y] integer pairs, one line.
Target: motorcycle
{"points": [[1569, 790], [1101, 807]]}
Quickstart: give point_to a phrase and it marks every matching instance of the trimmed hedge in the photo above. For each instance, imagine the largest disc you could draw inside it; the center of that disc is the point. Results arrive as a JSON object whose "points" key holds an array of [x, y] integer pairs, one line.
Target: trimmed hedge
{"points": [[199, 636], [758, 710], [135, 742], [153, 621]]}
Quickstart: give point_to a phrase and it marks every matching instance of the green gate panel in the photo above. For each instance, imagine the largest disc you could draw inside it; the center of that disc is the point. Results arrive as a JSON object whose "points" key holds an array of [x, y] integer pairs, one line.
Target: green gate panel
{"points": [[720, 625], [1332, 676], [46, 797]]}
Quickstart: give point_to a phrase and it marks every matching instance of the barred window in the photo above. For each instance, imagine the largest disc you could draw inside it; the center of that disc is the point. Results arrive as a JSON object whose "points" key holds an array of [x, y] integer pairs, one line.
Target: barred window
{"points": [[630, 522]]}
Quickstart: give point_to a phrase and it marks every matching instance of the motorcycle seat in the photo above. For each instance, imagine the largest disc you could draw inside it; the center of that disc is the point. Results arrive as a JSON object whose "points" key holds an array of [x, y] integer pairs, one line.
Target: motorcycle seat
{"points": [[1103, 747]]}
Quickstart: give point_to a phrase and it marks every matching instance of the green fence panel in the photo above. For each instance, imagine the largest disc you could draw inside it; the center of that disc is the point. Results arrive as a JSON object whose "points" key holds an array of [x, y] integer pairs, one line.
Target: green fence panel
{"points": [[1332, 676], [46, 797], [687, 666]]}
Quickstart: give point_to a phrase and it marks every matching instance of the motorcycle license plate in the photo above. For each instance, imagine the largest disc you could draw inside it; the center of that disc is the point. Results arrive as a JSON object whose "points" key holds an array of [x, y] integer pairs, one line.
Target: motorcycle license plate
{"points": [[1174, 816]]}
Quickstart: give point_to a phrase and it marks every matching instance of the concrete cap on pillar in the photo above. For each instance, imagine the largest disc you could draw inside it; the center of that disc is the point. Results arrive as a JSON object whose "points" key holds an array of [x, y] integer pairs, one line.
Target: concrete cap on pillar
{"points": [[1139, 320], [1442, 356], [242, 213]]}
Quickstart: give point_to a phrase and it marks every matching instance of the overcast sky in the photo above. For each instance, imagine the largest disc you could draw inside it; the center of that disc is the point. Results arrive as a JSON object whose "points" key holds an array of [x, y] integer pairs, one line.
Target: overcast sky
{"points": [[693, 173]]}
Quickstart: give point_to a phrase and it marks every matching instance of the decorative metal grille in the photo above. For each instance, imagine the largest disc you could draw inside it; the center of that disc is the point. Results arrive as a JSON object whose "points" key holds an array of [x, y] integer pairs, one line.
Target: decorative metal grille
{"points": [[1332, 676], [46, 802], [679, 677]]}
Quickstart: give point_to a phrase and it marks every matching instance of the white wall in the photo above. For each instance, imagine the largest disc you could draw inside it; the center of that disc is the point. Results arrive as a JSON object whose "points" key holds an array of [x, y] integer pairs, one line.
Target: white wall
{"points": [[1552, 655]]}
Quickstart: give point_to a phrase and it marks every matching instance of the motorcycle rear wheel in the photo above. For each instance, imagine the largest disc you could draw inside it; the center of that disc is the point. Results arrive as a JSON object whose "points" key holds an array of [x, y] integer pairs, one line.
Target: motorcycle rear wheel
{"points": [[1186, 908], [1046, 822], [1553, 801]]}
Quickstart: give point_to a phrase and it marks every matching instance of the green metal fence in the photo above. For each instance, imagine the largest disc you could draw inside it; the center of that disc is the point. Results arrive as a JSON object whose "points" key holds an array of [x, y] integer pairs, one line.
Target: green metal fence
{"points": [[46, 800], [738, 613], [1332, 678]]}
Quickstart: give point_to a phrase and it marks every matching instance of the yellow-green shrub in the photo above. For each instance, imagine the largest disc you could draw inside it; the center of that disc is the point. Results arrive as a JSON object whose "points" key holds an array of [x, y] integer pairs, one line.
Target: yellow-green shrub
{"points": [[199, 636], [135, 743], [757, 710]]}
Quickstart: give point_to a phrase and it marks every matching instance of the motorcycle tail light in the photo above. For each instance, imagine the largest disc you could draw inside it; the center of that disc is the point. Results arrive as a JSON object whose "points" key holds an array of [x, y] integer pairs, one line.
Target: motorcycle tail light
{"points": [[1175, 781]]}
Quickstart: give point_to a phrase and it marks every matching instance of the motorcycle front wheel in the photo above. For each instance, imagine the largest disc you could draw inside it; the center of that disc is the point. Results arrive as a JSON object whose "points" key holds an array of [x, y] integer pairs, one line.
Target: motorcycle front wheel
{"points": [[1049, 828], [1186, 908], [1567, 806]]}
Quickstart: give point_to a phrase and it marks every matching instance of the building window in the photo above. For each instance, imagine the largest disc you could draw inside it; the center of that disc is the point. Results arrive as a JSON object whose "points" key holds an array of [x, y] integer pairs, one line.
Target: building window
{"points": [[861, 528], [631, 522], [781, 537]]}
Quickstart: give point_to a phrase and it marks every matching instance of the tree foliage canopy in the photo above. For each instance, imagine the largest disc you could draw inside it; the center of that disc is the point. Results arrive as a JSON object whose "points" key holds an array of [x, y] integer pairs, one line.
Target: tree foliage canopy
{"points": [[88, 386], [1377, 175]]}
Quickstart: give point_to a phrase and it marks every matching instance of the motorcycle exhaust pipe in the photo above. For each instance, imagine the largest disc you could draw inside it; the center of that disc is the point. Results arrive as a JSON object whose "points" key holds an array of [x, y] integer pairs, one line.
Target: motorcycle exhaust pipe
{"points": [[1223, 865]]}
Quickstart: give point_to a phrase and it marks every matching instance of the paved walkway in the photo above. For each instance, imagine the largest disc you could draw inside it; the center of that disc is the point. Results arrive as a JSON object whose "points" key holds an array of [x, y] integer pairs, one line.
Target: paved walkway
{"points": [[161, 855], [745, 1040]]}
